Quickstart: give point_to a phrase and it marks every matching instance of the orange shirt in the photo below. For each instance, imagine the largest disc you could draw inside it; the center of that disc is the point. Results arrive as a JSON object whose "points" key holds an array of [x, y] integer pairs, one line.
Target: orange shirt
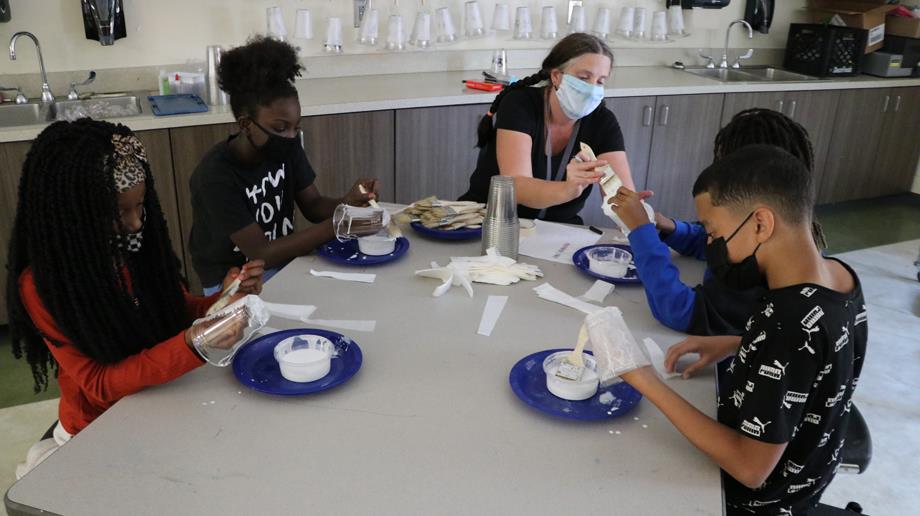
{"points": [[89, 388]]}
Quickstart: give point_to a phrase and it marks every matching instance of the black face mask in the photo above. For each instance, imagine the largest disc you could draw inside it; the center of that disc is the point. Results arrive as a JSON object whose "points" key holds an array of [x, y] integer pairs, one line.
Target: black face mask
{"points": [[739, 276], [277, 147]]}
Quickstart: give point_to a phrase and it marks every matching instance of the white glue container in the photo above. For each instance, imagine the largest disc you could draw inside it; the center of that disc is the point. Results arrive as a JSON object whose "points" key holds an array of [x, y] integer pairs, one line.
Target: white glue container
{"points": [[610, 261], [572, 390], [304, 358], [377, 245]]}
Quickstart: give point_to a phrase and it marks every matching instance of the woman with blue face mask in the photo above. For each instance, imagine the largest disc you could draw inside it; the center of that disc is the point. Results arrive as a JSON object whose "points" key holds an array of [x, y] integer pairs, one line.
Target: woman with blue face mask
{"points": [[534, 127]]}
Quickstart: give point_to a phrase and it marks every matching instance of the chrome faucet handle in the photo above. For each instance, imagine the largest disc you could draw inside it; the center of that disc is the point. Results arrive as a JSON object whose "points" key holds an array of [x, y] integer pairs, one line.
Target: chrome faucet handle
{"points": [[73, 94], [20, 96], [744, 57], [710, 63]]}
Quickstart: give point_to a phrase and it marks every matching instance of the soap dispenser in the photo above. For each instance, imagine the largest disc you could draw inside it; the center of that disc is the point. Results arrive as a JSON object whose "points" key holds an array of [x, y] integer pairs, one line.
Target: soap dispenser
{"points": [[104, 20]]}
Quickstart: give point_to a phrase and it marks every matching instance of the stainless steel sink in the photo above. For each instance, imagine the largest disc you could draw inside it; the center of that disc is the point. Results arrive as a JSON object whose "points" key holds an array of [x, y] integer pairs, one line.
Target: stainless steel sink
{"points": [[752, 74], [12, 115], [769, 73], [99, 107], [724, 74]]}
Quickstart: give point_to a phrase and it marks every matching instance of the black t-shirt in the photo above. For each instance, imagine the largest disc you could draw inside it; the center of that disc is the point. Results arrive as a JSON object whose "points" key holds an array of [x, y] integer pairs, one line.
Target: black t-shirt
{"points": [[522, 110], [227, 197], [791, 381]]}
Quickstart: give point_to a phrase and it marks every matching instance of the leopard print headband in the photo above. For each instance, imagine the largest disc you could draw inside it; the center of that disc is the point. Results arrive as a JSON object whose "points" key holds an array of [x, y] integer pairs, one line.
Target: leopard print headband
{"points": [[127, 162]]}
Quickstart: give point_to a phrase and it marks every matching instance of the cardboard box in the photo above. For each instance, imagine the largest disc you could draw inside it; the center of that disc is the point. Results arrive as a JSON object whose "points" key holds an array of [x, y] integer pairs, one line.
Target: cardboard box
{"points": [[907, 27], [863, 14]]}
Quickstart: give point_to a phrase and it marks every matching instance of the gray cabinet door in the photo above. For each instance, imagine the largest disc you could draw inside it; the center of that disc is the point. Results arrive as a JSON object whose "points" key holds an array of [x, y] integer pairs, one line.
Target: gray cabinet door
{"points": [[738, 102], [851, 157], [899, 147], [189, 145], [345, 148], [436, 151], [12, 156], [682, 143], [817, 112], [636, 117]]}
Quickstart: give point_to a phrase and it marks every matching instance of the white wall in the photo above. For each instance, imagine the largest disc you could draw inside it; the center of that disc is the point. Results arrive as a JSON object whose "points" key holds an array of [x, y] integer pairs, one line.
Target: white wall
{"points": [[163, 32]]}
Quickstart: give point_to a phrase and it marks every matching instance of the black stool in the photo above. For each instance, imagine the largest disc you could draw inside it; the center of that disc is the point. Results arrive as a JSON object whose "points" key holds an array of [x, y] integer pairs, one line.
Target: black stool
{"points": [[857, 453]]}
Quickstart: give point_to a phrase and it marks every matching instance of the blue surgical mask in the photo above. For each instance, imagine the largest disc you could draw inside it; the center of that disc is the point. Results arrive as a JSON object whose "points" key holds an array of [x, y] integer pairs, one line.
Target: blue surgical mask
{"points": [[578, 98]]}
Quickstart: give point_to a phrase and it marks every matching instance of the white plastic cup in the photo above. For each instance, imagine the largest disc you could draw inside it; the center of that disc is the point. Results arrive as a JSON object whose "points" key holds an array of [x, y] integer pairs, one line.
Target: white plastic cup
{"points": [[303, 26], [370, 28], [549, 25], [660, 26], [523, 27], [627, 21], [501, 18], [275, 23], [333, 43], [640, 23], [676, 21], [577, 23], [396, 34], [472, 20], [602, 23], [447, 33], [421, 31], [500, 62]]}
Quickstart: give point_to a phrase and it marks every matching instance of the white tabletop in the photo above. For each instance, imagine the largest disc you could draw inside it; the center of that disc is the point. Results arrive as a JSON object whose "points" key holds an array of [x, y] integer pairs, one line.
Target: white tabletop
{"points": [[429, 425]]}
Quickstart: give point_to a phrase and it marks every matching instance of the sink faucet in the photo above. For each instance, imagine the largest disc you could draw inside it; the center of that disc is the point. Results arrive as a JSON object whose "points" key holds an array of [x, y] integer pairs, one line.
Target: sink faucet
{"points": [[728, 31], [47, 96]]}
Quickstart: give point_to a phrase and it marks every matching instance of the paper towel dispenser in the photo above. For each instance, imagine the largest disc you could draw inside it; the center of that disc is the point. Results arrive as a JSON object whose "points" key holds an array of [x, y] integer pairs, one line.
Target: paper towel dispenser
{"points": [[103, 20], [4, 10]]}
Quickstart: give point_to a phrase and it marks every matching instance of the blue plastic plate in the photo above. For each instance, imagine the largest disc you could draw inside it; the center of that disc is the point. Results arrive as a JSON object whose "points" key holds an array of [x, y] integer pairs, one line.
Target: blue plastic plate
{"points": [[448, 234], [255, 366], [346, 253], [580, 259], [528, 381], [165, 105]]}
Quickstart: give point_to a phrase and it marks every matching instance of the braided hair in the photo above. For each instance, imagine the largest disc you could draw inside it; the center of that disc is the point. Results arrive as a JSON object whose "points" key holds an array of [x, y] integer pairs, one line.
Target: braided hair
{"points": [[568, 48], [65, 230], [258, 73], [766, 126]]}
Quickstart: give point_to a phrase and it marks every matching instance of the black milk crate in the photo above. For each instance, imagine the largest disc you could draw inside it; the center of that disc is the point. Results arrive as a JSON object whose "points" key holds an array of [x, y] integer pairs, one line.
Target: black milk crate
{"points": [[824, 50]]}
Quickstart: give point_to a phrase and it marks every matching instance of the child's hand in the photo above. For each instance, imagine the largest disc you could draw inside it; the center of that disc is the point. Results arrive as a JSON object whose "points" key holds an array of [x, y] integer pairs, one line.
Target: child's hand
{"points": [[640, 377], [628, 206], [250, 277], [664, 224], [355, 197], [710, 349]]}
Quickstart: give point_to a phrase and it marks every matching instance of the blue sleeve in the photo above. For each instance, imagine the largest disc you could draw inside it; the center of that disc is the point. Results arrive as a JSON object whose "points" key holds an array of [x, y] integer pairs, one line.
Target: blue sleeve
{"points": [[688, 239], [670, 300]]}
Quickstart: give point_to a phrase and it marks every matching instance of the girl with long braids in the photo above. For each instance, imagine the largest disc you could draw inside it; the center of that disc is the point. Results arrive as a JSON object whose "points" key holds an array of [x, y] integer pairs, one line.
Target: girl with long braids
{"points": [[534, 126], [245, 188], [717, 306], [95, 295]]}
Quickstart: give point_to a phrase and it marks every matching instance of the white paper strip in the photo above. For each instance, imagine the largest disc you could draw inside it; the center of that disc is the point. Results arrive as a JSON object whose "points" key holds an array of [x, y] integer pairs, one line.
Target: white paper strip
{"points": [[293, 312], [656, 357], [345, 276], [490, 314], [344, 324], [598, 292], [551, 293], [556, 242]]}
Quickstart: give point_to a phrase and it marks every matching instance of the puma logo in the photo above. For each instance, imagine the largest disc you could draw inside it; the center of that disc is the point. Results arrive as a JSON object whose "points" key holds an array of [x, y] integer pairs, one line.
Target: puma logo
{"points": [[738, 398], [757, 340], [836, 399], [768, 310], [807, 347], [813, 418], [809, 331], [826, 437], [843, 340], [861, 317], [749, 386], [774, 373], [808, 291], [755, 428], [792, 468], [813, 317]]}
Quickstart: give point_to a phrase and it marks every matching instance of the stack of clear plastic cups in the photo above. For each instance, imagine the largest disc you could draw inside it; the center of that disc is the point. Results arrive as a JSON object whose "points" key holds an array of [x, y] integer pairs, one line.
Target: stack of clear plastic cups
{"points": [[501, 228]]}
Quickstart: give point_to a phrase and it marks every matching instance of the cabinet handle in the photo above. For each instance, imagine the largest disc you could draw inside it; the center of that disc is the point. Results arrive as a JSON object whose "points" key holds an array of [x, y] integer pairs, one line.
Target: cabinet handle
{"points": [[647, 116], [665, 115], [792, 106], [885, 105], [897, 104], [779, 105]]}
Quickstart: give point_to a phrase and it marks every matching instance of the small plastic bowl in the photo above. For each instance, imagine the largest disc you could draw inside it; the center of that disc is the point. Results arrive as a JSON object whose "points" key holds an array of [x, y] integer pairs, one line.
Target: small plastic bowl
{"points": [[304, 358], [612, 262], [570, 389], [377, 245]]}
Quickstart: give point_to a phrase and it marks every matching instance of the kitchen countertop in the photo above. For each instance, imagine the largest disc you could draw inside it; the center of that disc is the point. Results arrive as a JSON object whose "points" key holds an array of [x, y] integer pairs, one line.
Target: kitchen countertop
{"points": [[405, 91]]}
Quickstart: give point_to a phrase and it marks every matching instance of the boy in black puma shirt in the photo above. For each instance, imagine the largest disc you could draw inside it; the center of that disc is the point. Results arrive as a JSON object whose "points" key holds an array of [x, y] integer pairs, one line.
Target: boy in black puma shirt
{"points": [[785, 400]]}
